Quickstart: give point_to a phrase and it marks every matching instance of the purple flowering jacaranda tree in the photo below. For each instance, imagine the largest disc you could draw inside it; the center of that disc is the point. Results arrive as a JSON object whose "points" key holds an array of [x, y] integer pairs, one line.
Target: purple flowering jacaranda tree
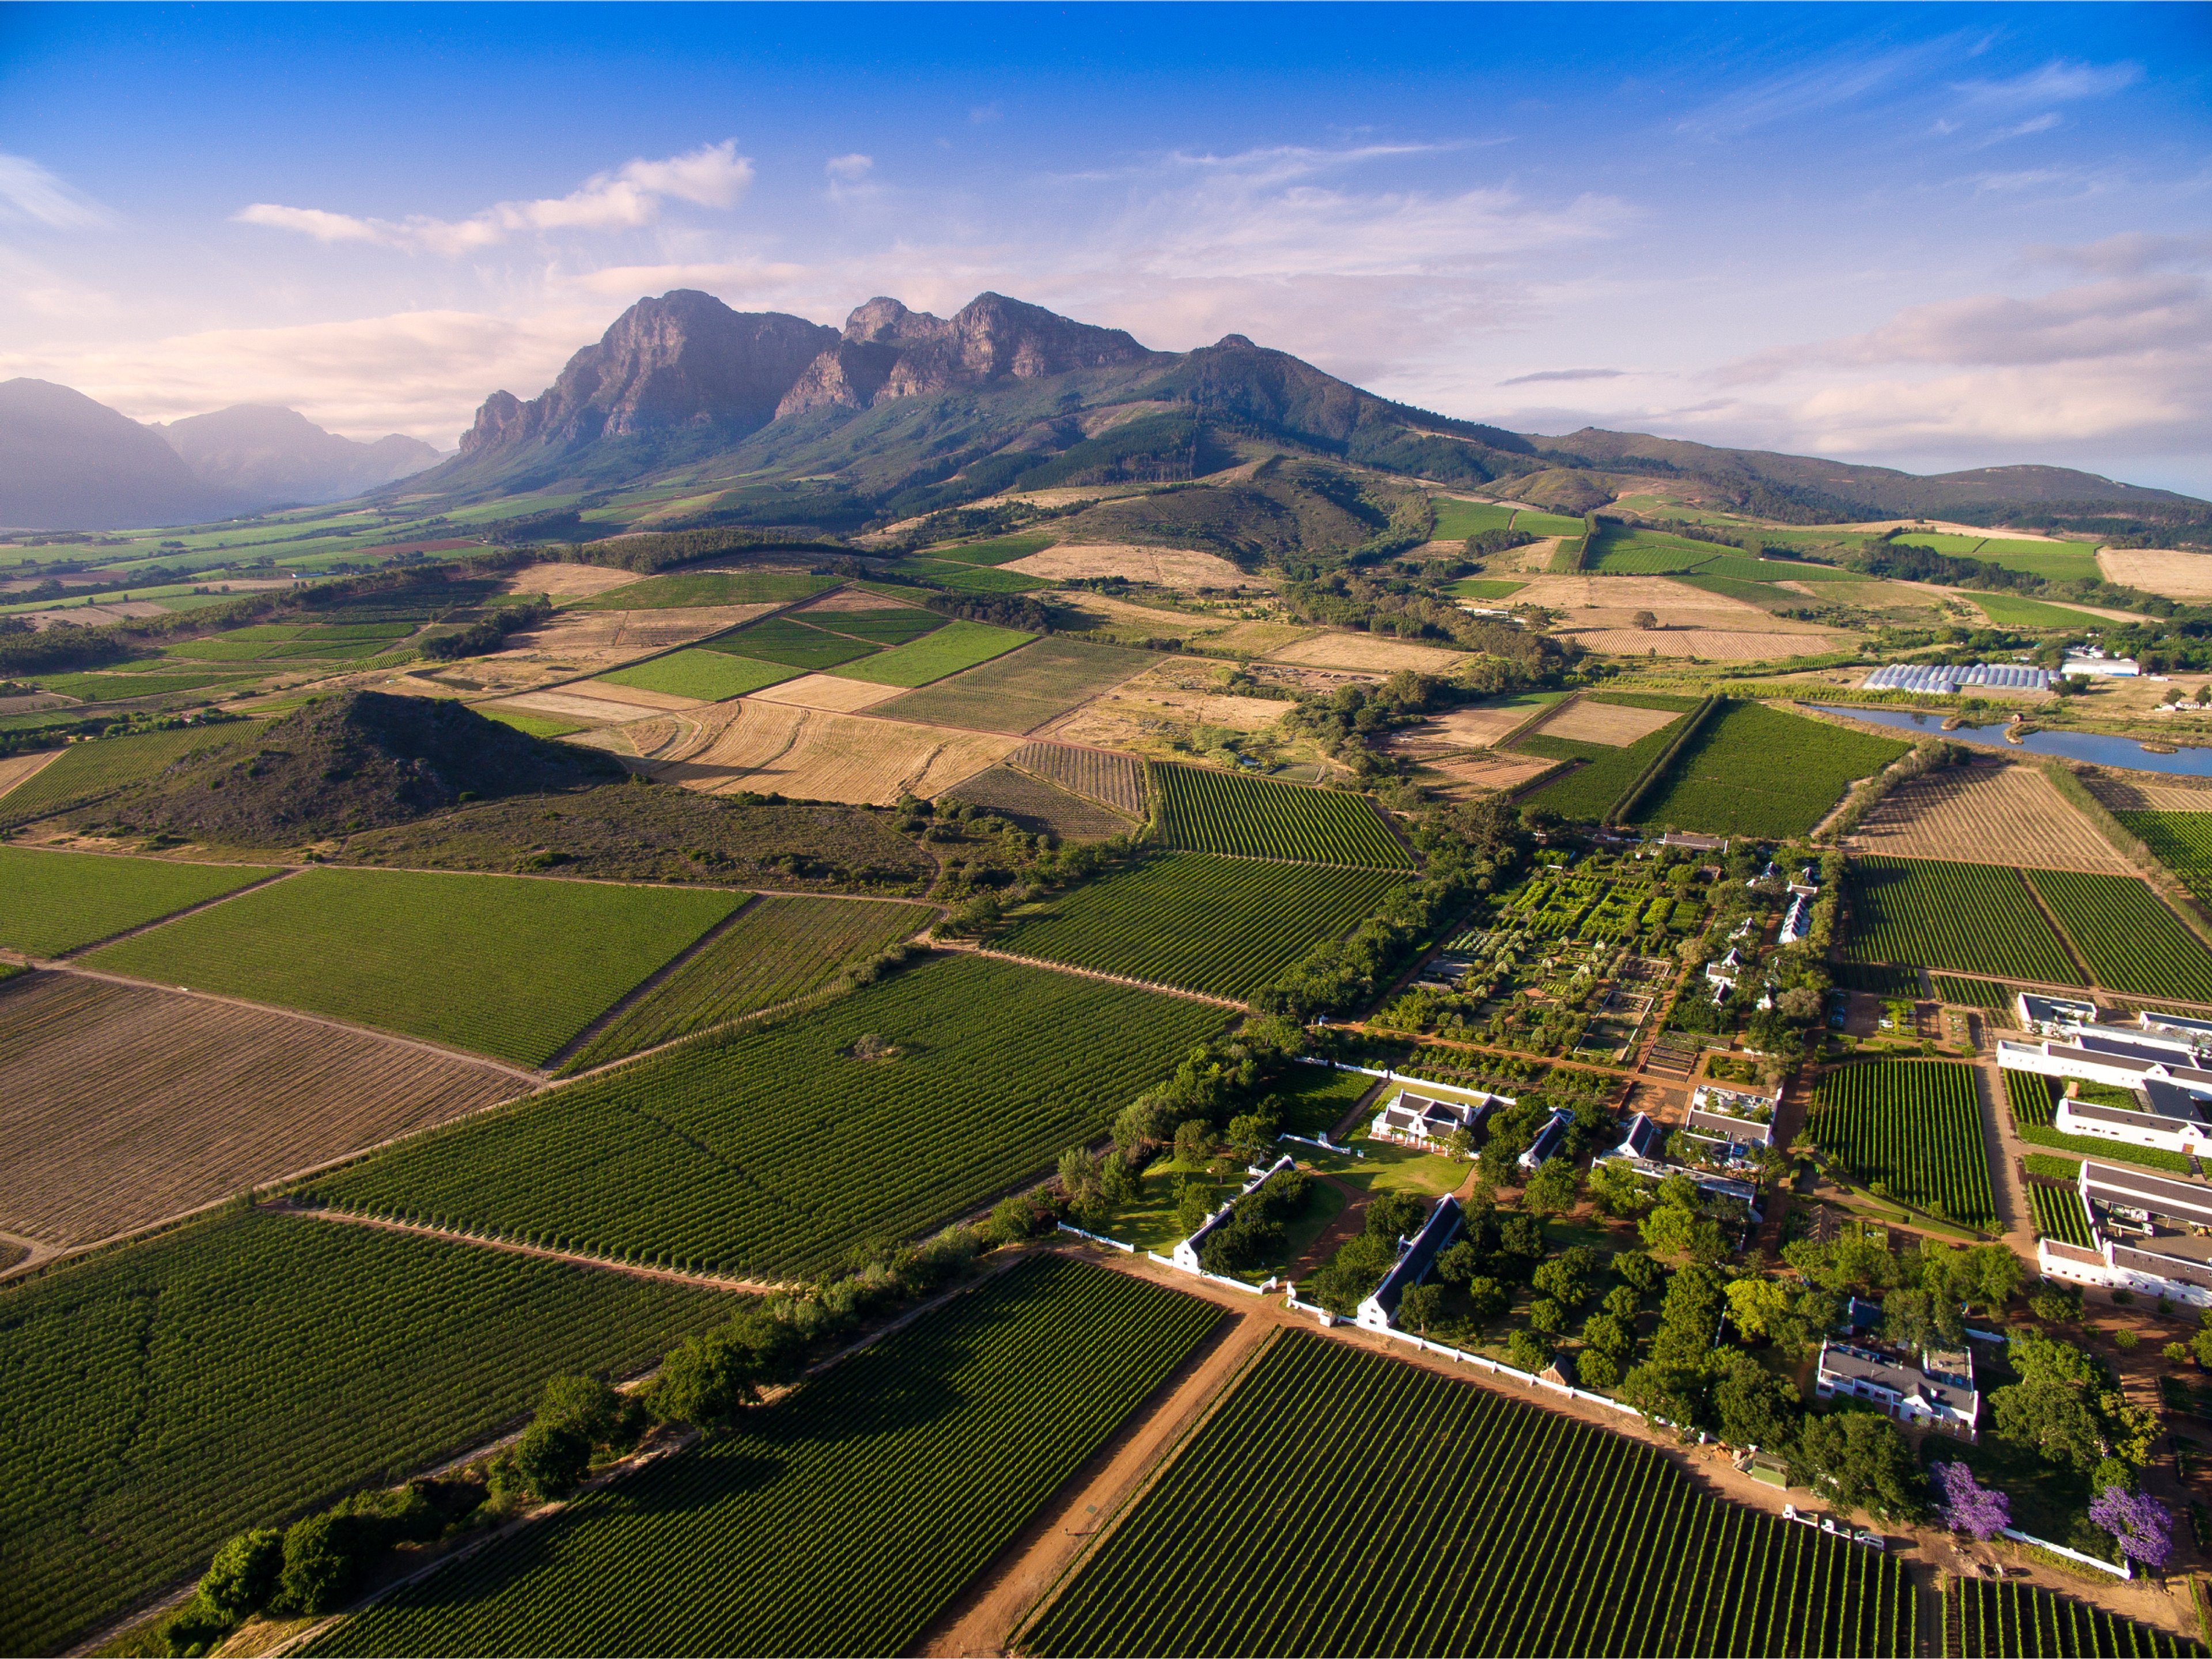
{"points": [[1967, 1505]]}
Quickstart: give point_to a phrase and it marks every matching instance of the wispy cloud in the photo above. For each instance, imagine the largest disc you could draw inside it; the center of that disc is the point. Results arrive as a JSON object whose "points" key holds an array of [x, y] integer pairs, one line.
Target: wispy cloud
{"points": [[31, 195], [1566, 375], [627, 198], [2056, 83]]}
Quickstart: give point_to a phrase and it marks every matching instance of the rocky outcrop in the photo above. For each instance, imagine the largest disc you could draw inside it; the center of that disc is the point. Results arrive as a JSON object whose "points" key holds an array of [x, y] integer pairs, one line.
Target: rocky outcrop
{"points": [[888, 351], [684, 359]]}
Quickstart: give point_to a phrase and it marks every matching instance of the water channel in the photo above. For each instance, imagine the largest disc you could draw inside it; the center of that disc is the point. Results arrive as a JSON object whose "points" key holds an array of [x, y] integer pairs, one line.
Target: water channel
{"points": [[2093, 747]]}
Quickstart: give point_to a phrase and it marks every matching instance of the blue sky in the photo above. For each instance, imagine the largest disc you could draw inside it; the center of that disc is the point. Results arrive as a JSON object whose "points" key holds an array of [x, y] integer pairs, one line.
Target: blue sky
{"points": [[1926, 237]]}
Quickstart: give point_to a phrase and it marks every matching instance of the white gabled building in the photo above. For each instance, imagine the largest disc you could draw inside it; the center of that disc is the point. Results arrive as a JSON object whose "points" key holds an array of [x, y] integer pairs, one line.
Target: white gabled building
{"points": [[2151, 1234], [1548, 1141], [1742, 1117], [2171, 1105], [2044, 1015], [1796, 921], [1937, 1393], [1642, 1149], [1186, 1251], [1420, 1120], [1416, 1255]]}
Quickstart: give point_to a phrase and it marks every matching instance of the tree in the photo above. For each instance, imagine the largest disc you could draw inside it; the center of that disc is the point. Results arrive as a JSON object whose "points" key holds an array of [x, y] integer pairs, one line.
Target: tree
{"points": [[1194, 1143], [1193, 1203], [2067, 1406], [1458, 1261], [1858, 1461], [1668, 1393], [603, 1415], [1597, 1369], [1606, 1334], [322, 1562], [1639, 1271], [1551, 1190], [1527, 1350], [1622, 1303], [1419, 1306], [1756, 1306], [1396, 1215], [709, 1381], [1966, 1505], [1118, 1184], [1251, 1137], [1645, 620], [2141, 1525], [1547, 1316], [243, 1574], [1558, 1280], [551, 1458], [1754, 1406], [1487, 1298]]}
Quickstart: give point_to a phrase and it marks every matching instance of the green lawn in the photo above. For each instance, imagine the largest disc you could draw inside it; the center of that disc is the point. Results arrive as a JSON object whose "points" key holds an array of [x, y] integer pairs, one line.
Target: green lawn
{"points": [[503, 965], [956, 646], [2009, 610], [59, 901], [710, 676]]}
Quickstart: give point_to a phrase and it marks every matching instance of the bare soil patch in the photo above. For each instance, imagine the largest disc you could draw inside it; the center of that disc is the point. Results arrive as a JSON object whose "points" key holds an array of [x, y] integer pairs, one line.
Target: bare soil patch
{"points": [[1500, 772], [1468, 728], [603, 639], [1987, 814], [601, 705], [812, 755], [124, 1103], [564, 581], [1705, 642], [850, 599], [1162, 701], [1371, 652], [2126, 795], [827, 691], [1611, 724], [91, 616], [2176, 574], [1613, 601], [14, 768], [1165, 567]]}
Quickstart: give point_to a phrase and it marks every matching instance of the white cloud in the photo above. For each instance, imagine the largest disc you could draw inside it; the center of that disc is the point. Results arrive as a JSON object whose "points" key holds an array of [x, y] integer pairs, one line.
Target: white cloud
{"points": [[848, 167], [627, 198], [31, 195], [2056, 83]]}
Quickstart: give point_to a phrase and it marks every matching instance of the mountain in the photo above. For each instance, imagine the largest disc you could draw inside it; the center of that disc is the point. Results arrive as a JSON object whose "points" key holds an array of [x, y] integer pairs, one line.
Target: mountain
{"points": [[264, 456], [67, 463], [768, 420]]}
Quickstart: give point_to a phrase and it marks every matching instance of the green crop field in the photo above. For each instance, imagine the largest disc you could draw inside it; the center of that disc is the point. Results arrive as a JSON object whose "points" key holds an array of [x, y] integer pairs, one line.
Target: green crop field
{"points": [[956, 646], [2014, 1621], [694, 587], [793, 643], [85, 771], [58, 901], [1914, 1125], [2031, 1098], [1000, 550], [1752, 771], [1587, 793], [1456, 520], [1766, 594], [2010, 611], [1743, 567], [773, 1148], [504, 965], [1021, 691], [2129, 938], [2059, 1215], [1546, 524], [778, 949], [844, 1518], [1225, 926], [122, 684], [2182, 842], [1208, 811], [2057, 561], [894, 624], [1402, 1511], [1638, 557], [1973, 918], [1957, 547], [237, 1372], [538, 725], [711, 676], [1970, 992]]}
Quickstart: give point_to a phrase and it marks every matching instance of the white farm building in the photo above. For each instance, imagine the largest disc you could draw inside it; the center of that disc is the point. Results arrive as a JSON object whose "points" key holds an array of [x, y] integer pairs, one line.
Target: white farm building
{"points": [[2151, 1234], [1186, 1251], [1430, 1120], [1416, 1255], [1937, 1393], [2166, 1088]]}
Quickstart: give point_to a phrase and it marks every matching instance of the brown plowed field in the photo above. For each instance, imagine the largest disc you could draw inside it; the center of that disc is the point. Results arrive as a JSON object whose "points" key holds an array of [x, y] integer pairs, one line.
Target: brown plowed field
{"points": [[1117, 780], [2126, 795], [809, 755], [1368, 651], [2157, 570], [562, 581], [1983, 814], [1165, 566], [1703, 642], [121, 1104], [1614, 724]]}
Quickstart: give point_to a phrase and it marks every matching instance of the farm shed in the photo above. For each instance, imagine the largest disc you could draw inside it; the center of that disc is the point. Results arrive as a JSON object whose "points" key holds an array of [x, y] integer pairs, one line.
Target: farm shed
{"points": [[1548, 1138], [1186, 1251], [2047, 1015], [1416, 1257], [1937, 1393], [2153, 1236], [1741, 1116]]}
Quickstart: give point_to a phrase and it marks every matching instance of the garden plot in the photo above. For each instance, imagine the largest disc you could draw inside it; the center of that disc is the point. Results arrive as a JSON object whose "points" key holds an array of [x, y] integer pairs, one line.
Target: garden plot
{"points": [[1912, 1131], [1477, 727], [2136, 794], [1368, 652], [502, 965], [21, 769], [1500, 772], [2002, 814], [124, 1103], [807, 754]]}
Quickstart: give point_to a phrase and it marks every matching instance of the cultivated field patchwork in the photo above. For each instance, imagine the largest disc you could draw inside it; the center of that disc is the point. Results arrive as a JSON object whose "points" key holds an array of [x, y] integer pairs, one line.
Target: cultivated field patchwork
{"points": [[1204, 811], [60, 900], [807, 754], [2001, 814], [1021, 691]]}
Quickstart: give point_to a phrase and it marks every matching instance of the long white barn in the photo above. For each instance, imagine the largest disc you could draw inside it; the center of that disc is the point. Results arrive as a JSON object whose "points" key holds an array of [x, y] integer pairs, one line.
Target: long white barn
{"points": [[2152, 1235]]}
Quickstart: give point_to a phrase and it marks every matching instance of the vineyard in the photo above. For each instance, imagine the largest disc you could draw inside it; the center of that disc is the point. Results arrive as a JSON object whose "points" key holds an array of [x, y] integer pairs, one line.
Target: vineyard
{"points": [[1207, 811], [2182, 842], [778, 949], [127, 1103], [1982, 994], [956, 646], [2129, 940], [1753, 770], [1222, 926], [2013, 1620], [85, 771], [1914, 1126], [1587, 792], [843, 1519], [58, 901], [773, 1148], [2059, 1214], [501, 965], [156, 1399], [1021, 691], [1116, 780], [1402, 1511], [1978, 918], [2033, 1102]]}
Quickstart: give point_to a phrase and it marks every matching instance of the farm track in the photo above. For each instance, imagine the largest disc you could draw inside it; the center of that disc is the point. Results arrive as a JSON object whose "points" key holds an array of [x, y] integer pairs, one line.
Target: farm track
{"points": [[646, 987], [2014, 1214], [1099, 973]]}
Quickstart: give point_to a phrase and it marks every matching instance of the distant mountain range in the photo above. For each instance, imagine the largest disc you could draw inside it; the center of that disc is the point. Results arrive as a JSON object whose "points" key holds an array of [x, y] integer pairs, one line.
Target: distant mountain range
{"points": [[768, 420], [68, 463]]}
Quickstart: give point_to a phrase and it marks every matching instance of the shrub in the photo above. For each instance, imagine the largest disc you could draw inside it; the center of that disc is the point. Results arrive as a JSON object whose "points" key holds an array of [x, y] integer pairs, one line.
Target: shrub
{"points": [[243, 1576]]}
